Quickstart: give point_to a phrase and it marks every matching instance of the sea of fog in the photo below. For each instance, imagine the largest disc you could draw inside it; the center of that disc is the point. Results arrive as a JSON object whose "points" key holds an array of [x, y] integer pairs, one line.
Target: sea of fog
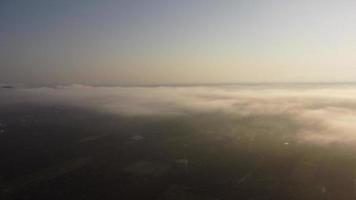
{"points": [[325, 113]]}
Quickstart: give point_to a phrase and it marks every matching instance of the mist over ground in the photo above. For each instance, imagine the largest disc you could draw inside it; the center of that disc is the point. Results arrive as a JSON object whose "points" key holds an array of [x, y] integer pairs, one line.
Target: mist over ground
{"points": [[281, 141], [325, 113]]}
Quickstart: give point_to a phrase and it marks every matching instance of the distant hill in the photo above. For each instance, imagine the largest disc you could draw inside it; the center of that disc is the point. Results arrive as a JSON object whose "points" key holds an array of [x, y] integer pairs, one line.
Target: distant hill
{"points": [[7, 86]]}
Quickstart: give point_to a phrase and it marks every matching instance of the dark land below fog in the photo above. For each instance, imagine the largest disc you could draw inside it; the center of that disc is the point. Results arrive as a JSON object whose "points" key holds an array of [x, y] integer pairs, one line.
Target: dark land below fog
{"points": [[65, 152]]}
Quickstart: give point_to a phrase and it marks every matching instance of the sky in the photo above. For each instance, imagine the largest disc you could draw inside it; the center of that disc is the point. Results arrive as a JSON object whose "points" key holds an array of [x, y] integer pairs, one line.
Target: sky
{"points": [[104, 42]]}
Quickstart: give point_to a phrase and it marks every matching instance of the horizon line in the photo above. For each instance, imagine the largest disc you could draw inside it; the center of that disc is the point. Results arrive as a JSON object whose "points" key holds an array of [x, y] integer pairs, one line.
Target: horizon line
{"points": [[178, 84]]}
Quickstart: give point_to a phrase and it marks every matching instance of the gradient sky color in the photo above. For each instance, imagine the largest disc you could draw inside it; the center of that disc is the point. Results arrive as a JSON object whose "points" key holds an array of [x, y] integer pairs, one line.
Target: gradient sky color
{"points": [[180, 41]]}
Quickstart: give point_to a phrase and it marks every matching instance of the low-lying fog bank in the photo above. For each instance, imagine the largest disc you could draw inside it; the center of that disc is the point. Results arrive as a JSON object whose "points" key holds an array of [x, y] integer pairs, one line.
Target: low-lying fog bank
{"points": [[324, 113]]}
